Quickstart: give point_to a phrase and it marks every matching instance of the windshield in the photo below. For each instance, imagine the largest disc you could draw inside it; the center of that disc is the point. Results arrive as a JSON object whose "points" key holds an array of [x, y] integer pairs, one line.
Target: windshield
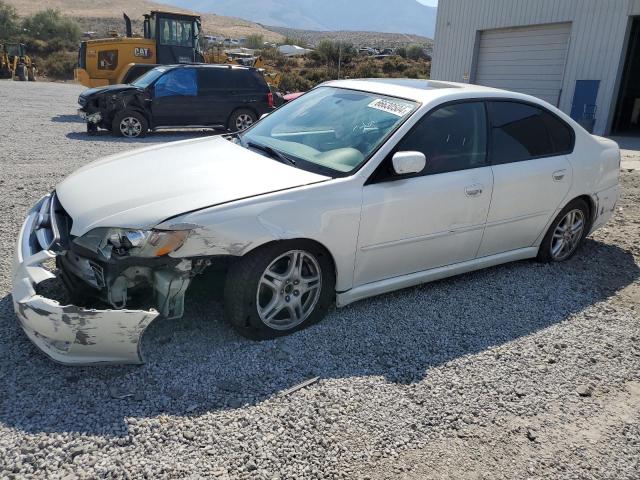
{"points": [[332, 128], [148, 78]]}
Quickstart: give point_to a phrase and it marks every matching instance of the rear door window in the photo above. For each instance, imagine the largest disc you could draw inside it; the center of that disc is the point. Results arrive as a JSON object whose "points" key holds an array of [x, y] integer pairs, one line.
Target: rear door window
{"points": [[211, 80], [180, 82], [521, 132]]}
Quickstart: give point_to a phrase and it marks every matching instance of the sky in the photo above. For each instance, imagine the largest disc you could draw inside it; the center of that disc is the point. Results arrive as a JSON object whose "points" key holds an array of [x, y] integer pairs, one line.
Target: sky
{"points": [[431, 3]]}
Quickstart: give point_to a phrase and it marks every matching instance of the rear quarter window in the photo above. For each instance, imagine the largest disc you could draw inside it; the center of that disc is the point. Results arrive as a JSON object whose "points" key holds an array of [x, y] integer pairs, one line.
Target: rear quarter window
{"points": [[521, 132]]}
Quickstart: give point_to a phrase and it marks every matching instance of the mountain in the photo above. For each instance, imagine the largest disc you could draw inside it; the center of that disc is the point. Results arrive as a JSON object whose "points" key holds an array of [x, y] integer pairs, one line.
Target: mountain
{"points": [[100, 15], [398, 16]]}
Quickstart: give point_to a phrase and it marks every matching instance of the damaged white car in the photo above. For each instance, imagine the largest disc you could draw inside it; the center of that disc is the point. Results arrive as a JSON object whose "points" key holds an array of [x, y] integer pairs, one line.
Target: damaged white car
{"points": [[357, 188]]}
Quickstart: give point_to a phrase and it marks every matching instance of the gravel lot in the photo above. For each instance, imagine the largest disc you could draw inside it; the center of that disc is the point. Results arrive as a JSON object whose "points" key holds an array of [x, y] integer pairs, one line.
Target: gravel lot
{"points": [[524, 370]]}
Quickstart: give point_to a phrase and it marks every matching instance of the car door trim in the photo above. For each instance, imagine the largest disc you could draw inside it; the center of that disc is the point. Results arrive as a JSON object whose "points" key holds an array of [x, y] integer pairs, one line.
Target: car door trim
{"points": [[411, 280], [422, 238], [517, 219]]}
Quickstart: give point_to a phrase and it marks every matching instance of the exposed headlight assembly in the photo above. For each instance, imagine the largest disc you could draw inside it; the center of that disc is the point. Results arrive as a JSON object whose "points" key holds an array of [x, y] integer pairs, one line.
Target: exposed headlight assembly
{"points": [[134, 243]]}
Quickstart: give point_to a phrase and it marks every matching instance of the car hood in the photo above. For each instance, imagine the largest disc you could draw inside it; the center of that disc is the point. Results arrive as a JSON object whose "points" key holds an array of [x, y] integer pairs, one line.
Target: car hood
{"points": [[108, 89], [140, 189]]}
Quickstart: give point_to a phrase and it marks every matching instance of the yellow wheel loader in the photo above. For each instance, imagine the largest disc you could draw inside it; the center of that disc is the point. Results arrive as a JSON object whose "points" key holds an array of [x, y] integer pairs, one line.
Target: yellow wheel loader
{"points": [[168, 38], [16, 64]]}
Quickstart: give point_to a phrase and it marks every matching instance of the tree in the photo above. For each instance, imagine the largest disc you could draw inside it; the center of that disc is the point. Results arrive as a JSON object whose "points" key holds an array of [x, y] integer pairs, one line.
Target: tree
{"points": [[255, 41], [8, 21], [51, 25]]}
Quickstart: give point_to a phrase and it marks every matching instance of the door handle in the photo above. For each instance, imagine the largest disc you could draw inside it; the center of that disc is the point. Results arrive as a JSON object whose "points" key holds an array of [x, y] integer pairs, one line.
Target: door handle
{"points": [[473, 190], [559, 175]]}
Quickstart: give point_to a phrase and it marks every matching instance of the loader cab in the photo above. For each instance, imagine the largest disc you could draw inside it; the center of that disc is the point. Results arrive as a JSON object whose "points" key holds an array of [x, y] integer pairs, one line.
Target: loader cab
{"points": [[16, 50], [177, 37]]}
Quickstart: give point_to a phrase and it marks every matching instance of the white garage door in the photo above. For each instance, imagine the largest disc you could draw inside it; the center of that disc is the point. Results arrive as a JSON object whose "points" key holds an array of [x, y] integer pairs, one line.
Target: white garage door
{"points": [[529, 60]]}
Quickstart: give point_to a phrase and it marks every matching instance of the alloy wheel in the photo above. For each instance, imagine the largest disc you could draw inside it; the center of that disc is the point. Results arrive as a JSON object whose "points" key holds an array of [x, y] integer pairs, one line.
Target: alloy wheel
{"points": [[567, 235], [130, 127], [288, 290], [243, 121]]}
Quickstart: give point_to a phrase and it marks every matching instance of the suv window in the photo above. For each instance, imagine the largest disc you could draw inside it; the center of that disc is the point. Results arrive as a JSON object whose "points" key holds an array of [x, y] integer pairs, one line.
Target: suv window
{"points": [[453, 137], [522, 132], [215, 79], [179, 82]]}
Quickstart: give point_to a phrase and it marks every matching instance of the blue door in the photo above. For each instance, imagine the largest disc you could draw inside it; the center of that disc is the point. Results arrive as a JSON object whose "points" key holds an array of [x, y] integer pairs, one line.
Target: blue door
{"points": [[584, 99]]}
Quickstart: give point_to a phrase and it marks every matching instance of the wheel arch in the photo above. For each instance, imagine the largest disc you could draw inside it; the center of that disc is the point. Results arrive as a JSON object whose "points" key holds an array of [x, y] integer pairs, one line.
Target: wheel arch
{"points": [[318, 244]]}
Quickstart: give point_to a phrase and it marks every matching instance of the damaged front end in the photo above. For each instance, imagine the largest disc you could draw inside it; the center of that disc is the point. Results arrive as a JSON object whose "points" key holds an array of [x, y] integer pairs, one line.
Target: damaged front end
{"points": [[123, 278]]}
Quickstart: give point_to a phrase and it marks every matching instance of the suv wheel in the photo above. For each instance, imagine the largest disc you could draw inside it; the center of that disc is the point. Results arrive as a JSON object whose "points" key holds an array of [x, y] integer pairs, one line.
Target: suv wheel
{"points": [[241, 119], [129, 124]]}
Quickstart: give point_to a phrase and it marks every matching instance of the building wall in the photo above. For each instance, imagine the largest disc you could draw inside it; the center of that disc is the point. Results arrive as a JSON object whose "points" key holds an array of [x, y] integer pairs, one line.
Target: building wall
{"points": [[596, 51]]}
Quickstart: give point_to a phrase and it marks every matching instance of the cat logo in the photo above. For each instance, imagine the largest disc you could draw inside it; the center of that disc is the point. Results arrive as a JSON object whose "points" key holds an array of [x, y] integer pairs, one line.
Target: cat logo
{"points": [[142, 52]]}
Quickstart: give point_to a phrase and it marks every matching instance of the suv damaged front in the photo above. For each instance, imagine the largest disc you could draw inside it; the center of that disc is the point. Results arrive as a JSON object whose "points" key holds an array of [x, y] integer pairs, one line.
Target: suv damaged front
{"points": [[124, 278]]}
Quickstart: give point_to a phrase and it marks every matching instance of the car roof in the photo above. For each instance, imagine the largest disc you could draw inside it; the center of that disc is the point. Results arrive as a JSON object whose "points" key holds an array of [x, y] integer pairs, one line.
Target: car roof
{"points": [[426, 91], [227, 66]]}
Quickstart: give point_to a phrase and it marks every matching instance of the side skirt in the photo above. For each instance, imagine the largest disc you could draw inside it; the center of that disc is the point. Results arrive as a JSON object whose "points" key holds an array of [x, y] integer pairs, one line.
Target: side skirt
{"points": [[411, 280]]}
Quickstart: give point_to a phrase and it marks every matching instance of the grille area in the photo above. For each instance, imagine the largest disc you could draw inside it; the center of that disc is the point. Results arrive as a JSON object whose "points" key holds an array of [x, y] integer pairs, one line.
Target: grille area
{"points": [[53, 226]]}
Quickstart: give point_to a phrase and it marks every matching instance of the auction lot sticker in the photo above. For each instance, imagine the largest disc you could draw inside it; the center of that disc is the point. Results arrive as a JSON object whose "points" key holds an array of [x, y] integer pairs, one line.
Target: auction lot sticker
{"points": [[389, 106]]}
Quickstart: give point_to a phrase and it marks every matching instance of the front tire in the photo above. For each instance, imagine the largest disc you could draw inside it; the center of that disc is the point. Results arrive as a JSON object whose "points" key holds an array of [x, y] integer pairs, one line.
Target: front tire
{"points": [[129, 124], [566, 233], [278, 289]]}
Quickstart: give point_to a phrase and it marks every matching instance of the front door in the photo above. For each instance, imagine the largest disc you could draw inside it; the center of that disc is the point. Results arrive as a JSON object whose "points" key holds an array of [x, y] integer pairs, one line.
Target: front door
{"points": [[435, 218], [532, 175], [175, 98]]}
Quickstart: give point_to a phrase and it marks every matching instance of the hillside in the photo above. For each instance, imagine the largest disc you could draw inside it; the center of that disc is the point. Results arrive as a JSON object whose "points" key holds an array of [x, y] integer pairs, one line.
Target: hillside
{"points": [[102, 15], [399, 16], [358, 39]]}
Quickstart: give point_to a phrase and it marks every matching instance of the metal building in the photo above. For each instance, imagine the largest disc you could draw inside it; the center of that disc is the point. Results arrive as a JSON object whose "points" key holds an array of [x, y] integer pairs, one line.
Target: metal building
{"points": [[580, 55]]}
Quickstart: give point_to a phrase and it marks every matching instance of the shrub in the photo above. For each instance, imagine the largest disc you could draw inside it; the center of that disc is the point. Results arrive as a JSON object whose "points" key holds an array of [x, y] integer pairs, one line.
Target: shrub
{"points": [[292, 82], [59, 65], [255, 41], [415, 52], [50, 24], [367, 69], [8, 21]]}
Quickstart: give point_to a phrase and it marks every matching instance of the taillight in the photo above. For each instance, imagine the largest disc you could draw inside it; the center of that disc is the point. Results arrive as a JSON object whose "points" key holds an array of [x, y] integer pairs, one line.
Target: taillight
{"points": [[270, 99]]}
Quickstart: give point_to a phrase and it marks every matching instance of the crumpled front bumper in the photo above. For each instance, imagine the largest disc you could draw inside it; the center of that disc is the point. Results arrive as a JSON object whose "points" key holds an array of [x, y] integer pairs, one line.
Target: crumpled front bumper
{"points": [[69, 334]]}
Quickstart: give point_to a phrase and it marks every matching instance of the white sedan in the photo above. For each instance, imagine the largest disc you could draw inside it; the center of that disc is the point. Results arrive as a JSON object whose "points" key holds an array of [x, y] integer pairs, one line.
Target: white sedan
{"points": [[357, 188]]}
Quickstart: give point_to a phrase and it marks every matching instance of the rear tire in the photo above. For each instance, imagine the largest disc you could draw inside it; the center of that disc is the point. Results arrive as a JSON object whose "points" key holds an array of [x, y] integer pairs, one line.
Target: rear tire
{"points": [[278, 289], [129, 124], [32, 74], [566, 233], [241, 119]]}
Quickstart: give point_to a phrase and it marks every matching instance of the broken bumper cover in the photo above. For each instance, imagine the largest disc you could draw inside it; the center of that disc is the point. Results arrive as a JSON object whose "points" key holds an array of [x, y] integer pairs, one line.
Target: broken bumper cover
{"points": [[69, 334]]}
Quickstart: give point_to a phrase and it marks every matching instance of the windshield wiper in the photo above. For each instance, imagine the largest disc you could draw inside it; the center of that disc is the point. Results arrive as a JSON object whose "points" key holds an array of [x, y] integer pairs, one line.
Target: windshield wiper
{"points": [[272, 152]]}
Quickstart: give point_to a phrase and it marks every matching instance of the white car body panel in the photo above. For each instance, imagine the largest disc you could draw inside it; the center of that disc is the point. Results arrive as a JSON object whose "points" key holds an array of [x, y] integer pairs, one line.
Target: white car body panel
{"points": [[421, 223], [381, 236], [525, 196], [141, 188]]}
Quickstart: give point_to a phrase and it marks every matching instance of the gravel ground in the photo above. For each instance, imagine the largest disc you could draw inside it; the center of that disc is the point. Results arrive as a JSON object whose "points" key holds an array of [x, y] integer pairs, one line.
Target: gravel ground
{"points": [[524, 370]]}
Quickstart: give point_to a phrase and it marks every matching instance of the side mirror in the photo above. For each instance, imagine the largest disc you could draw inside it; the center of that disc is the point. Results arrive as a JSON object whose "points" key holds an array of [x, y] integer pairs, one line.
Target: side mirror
{"points": [[408, 162]]}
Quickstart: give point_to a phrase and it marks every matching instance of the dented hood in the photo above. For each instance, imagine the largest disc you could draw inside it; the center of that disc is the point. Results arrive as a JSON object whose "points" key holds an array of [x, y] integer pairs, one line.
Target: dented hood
{"points": [[142, 188]]}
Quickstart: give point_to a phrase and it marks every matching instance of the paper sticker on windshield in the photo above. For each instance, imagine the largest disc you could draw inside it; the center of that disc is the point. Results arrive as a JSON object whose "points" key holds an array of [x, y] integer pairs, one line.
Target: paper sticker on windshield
{"points": [[389, 106]]}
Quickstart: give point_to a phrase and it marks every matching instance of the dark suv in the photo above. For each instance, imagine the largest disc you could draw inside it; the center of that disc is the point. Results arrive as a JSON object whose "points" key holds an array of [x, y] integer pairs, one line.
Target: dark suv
{"points": [[216, 96]]}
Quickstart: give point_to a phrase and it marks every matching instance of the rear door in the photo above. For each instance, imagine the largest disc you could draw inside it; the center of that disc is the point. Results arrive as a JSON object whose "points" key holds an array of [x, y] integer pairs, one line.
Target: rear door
{"points": [[532, 175], [175, 100], [214, 100]]}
